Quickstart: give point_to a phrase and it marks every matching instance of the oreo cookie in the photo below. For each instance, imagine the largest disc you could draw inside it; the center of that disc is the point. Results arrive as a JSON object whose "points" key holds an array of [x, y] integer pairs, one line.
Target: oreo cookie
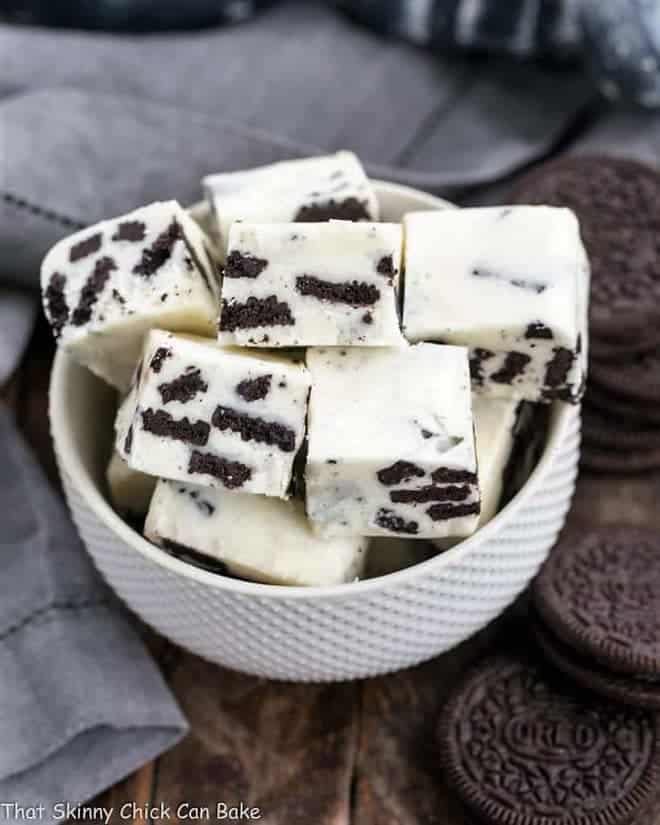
{"points": [[637, 378], [617, 405], [520, 748], [598, 593], [616, 202], [614, 432], [641, 693], [632, 462]]}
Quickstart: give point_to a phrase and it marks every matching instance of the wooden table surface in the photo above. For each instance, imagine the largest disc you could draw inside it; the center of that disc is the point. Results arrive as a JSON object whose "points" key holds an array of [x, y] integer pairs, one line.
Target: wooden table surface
{"points": [[361, 753]]}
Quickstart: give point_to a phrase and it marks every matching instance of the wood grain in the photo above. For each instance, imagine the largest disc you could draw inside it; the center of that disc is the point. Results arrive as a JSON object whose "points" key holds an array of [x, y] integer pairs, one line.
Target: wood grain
{"points": [[287, 749]]}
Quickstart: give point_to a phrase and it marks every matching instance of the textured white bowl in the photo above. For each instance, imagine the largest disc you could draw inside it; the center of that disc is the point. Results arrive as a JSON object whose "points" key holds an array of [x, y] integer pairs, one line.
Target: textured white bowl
{"points": [[311, 634]]}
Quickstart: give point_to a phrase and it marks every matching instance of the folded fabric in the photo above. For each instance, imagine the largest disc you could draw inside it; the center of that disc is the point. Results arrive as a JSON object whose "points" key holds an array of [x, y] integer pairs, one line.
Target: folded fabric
{"points": [[126, 131], [77, 687], [619, 40]]}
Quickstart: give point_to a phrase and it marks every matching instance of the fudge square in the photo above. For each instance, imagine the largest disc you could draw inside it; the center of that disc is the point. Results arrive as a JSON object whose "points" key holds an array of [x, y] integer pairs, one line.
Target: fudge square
{"points": [[199, 413], [391, 442], [295, 285], [307, 190], [507, 282], [105, 286], [259, 538]]}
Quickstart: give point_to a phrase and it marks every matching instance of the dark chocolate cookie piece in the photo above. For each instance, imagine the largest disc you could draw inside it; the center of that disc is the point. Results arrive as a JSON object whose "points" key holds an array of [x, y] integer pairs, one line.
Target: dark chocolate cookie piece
{"points": [[349, 209], [638, 693], [636, 378], [521, 749], [598, 592], [616, 202]]}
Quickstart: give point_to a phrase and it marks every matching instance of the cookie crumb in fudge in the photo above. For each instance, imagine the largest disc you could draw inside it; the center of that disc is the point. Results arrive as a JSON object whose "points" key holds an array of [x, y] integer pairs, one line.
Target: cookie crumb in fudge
{"points": [[431, 492], [58, 310], [160, 355], [398, 472], [444, 511], [558, 367], [350, 209], [477, 358], [255, 312], [128, 441], [254, 389], [355, 293], [514, 365], [160, 251], [86, 247], [232, 474], [163, 424], [184, 388], [254, 428], [133, 231], [388, 520], [447, 475], [93, 287], [386, 267], [538, 330], [244, 266]]}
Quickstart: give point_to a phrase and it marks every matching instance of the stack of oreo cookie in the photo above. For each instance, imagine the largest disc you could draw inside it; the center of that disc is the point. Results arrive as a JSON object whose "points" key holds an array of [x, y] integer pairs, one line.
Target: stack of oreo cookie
{"points": [[567, 731], [616, 201]]}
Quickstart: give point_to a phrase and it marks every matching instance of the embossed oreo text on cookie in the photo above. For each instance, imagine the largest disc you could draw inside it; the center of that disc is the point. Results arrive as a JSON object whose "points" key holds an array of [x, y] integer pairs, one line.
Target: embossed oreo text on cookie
{"points": [[509, 738]]}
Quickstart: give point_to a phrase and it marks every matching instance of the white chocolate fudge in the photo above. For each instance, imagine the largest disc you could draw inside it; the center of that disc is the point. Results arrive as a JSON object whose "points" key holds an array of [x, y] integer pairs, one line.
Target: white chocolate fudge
{"points": [[213, 416], [391, 442], [130, 490], [296, 285], [507, 282], [495, 422], [258, 538], [307, 190], [106, 286]]}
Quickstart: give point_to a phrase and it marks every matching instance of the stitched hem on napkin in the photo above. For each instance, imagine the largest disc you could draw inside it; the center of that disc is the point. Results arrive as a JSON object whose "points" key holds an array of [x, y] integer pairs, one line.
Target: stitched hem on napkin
{"points": [[76, 673]]}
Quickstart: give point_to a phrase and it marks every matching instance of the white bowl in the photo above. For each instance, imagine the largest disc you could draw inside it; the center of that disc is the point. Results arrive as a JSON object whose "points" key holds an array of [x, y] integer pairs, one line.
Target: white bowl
{"points": [[311, 634]]}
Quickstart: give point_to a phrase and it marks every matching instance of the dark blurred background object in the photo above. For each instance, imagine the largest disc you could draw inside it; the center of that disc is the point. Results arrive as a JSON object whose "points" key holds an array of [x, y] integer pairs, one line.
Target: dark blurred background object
{"points": [[618, 40], [130, 15]]}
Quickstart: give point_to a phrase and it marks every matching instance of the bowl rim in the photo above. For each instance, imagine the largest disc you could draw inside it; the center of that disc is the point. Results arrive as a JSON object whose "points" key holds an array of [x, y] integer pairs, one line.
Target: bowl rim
{"points": [[70, 465]]}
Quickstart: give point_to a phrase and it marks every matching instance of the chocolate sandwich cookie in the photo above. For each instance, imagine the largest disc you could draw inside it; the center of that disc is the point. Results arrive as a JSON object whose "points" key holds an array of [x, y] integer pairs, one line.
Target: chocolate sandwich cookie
{"points": [[637, 378], [616, 202], [639, 693], [614, 404], [600, 460], [598, 593], [522, 748], [615, 432]]}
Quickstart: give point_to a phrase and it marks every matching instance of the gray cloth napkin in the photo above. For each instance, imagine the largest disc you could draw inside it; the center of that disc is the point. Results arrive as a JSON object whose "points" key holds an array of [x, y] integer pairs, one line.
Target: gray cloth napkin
{"points": [[81, 702], [92, 125]]}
